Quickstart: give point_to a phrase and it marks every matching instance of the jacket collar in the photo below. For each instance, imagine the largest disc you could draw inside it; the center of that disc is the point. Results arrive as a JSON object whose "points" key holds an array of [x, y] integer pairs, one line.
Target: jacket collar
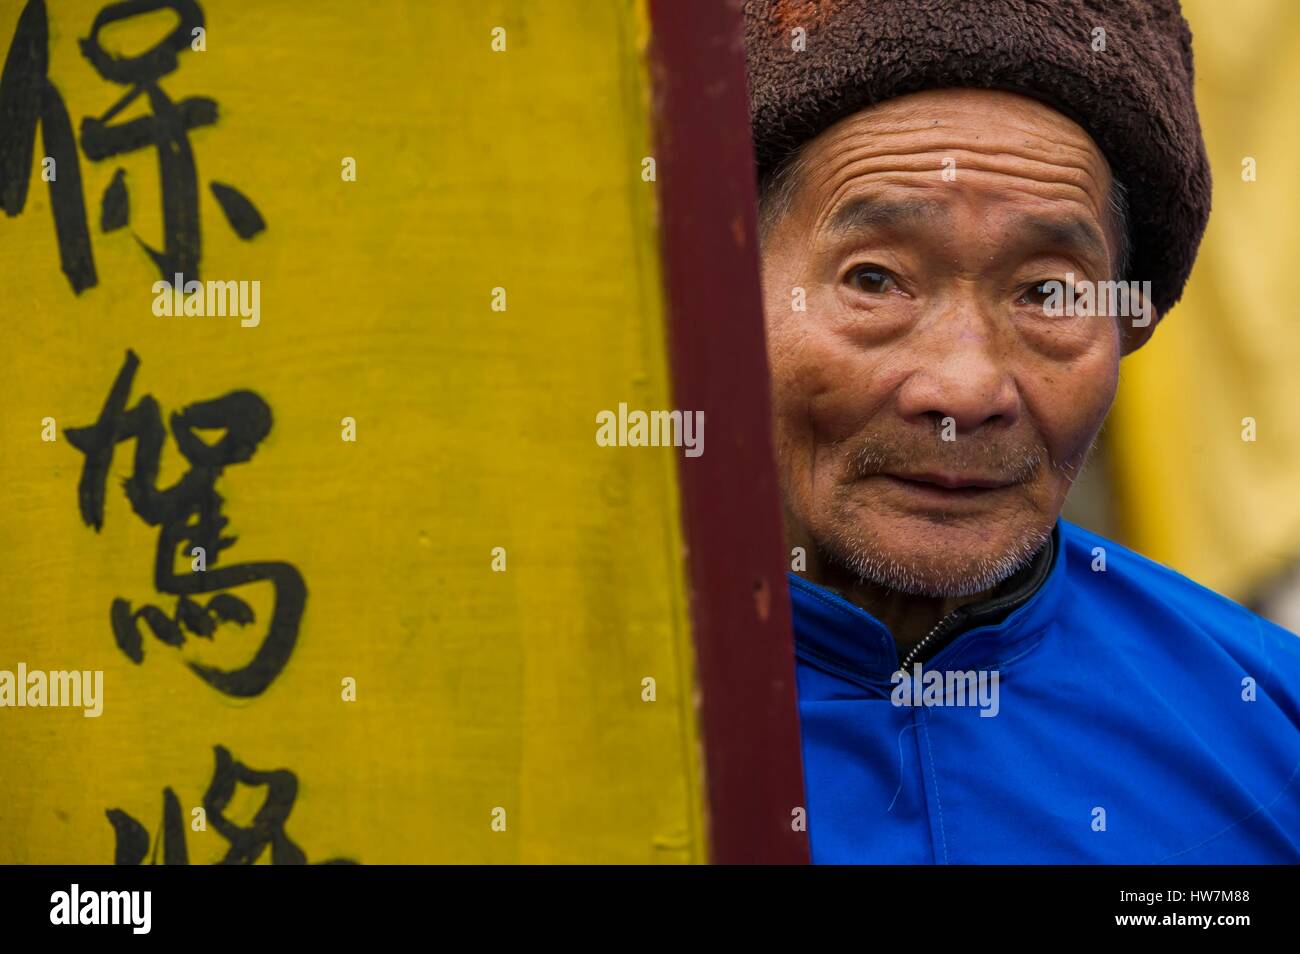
{"points": [[833, 633]]}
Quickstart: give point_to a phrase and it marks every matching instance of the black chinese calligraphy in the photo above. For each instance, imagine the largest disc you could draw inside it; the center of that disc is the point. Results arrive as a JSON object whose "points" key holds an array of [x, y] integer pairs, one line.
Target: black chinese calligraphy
{"points": [[247, 843], [28, 99], [166, 130], [189, 515]]}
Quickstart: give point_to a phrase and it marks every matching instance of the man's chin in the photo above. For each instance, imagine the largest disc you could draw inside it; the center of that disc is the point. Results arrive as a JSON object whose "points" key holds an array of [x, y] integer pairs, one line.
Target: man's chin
{"points": [[936, 561]]}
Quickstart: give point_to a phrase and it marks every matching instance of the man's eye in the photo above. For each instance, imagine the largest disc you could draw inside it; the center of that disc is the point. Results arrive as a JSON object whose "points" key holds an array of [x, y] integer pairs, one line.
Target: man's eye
{"points": [[870, 279], [1039, 292]]}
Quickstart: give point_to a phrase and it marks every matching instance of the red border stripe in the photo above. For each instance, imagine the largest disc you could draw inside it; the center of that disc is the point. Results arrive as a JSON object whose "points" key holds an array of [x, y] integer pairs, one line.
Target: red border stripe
{"points": [[740, 606]]}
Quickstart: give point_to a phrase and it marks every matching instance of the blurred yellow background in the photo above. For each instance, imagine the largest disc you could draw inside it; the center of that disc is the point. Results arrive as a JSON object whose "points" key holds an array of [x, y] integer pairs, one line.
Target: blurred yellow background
{"points": [[1178, 483]]}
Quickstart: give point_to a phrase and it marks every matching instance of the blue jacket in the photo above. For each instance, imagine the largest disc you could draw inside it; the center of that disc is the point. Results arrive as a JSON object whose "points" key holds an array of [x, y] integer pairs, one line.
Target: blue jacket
{"points": [[1137, 718]]}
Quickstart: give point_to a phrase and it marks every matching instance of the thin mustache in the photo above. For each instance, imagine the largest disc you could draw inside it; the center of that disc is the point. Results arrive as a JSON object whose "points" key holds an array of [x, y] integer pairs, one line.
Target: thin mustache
{"points": [[1011, 465]]}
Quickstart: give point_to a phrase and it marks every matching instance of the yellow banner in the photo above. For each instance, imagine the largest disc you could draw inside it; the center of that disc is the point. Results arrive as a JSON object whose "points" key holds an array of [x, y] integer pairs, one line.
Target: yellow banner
{"points": [[328, 512]]}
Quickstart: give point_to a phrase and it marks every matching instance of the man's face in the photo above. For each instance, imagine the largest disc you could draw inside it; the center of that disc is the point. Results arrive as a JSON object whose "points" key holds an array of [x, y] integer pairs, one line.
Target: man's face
{"points": [[929, 415]]}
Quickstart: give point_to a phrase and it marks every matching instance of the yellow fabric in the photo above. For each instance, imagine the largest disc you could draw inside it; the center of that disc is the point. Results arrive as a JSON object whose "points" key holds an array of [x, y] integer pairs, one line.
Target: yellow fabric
{"points": [[1192, 493], [475, 429]]}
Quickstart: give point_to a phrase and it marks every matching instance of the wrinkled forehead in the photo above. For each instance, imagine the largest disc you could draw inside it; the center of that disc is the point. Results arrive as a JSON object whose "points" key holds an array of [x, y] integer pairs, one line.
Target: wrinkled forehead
{"points": [[935, 151]]}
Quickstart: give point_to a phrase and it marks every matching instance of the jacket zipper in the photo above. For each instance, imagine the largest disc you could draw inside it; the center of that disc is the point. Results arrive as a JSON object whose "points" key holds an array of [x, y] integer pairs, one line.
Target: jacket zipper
{"points": [[941, 628], [948, 628]]}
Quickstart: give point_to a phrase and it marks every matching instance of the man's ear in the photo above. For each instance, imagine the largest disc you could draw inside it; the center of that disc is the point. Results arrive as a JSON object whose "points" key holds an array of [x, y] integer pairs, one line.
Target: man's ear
{"points": [[1136, 331]]}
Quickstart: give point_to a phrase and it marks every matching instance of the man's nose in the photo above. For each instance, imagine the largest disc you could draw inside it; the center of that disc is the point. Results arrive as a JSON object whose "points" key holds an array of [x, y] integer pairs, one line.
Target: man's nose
{"points": [[965, 374]]}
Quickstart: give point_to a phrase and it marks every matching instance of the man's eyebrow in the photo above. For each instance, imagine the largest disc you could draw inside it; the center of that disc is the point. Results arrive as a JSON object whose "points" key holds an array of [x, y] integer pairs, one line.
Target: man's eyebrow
{"points": [[1072, 232], [864, 213]]}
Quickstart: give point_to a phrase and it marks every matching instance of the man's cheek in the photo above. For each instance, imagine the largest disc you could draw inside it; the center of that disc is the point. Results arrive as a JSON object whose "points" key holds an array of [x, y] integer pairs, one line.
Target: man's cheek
{"points": [[843, 394], [1084, 408]]}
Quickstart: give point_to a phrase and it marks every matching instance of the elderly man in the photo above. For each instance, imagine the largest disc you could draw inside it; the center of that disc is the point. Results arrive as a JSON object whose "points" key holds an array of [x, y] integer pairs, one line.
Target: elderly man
{"points": [[980, 680]]}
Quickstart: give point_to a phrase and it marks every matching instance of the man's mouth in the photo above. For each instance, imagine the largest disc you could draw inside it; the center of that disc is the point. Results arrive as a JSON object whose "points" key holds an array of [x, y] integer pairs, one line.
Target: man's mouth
{"points": [[948, 487]]}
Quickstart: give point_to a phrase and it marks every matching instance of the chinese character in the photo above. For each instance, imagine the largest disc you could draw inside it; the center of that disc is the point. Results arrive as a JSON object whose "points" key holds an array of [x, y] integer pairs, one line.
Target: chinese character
{"points": [[189, 516], [28, 98], [247, 844]]}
